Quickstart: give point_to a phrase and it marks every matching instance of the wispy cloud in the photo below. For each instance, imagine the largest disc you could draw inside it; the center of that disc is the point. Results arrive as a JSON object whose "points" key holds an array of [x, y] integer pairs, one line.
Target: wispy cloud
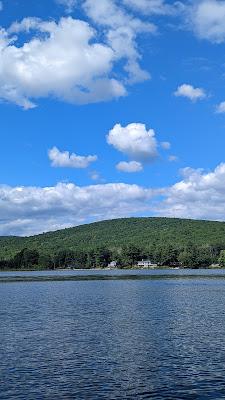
{"points": [[154, 7], [220, 108], [165, 145], [173, 158], [68, 4]]}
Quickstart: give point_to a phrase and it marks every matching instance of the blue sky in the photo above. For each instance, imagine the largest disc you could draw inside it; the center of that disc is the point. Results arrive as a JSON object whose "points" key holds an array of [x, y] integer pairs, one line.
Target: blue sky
{"points": [[110, 109]]}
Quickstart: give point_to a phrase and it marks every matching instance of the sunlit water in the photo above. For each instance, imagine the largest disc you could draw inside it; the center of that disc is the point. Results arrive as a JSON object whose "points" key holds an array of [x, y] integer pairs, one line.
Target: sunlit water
{"points": [[112, 335]]}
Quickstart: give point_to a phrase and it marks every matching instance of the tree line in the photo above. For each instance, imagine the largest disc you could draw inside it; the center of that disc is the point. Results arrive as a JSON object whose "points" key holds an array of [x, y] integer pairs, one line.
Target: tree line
{"points": [[190, 255]]}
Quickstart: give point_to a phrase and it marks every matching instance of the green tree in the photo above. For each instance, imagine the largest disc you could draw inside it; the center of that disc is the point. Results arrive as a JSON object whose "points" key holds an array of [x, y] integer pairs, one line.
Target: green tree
{"points": [[45, 261], [222, 258], [131, 254], [26, 258], [103, 256], [188, 256]]}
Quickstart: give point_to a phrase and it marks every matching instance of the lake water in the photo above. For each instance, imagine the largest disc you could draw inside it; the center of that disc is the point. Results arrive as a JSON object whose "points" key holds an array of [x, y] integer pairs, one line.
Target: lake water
{"points": [[112, 335]]}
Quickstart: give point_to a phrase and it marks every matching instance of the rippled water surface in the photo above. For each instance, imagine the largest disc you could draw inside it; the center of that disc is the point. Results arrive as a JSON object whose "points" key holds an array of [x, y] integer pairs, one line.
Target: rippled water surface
{"points": [[112, 335]]}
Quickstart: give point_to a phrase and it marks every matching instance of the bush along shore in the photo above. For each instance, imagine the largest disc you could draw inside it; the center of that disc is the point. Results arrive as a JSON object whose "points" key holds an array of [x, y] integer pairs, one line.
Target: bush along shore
{"points": [[129, 256]]}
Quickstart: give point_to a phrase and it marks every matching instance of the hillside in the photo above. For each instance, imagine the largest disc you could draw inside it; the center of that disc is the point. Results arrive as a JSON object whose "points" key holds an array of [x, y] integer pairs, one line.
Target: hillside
{"points": [[114, 234]]}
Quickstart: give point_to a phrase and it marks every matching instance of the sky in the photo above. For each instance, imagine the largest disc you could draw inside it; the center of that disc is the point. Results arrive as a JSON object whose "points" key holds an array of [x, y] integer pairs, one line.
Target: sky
{"points": [[110, 109]]}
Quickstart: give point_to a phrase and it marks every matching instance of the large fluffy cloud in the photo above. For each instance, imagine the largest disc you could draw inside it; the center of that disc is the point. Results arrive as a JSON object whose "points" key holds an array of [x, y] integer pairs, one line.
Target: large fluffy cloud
{"points": [[62, 60], [198, 195], [69, 59], [135, 141], [72, 61], [28, 210], [206, 19], [64, 159]]}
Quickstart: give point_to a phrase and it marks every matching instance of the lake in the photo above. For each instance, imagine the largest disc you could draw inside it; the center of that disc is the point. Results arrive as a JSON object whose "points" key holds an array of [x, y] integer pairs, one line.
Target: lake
{"points": [[112, 335]]}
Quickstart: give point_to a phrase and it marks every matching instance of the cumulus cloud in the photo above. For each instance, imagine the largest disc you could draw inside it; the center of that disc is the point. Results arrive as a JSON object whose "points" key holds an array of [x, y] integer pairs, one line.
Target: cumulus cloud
{"points": [[190, 92], [186, 198], [65, 159], [68, 4], [135, 141], [29, 210], [69, 59], [206, 19], [62, 60], [220, 108], [132, 166]]}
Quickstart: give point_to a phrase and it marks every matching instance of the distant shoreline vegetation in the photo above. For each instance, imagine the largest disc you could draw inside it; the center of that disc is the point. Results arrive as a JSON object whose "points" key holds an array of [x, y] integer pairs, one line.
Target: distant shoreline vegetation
{"points": [[167, 242], [128, 257]]}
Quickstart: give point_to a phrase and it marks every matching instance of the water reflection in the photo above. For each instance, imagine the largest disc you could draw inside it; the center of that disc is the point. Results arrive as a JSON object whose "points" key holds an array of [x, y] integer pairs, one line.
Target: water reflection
{"points": [[80, 275]]}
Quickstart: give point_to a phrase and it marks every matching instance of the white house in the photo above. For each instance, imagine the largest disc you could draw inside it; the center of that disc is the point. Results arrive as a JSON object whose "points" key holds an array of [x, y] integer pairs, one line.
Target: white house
{"points": [[113, 264], [146, 264]]}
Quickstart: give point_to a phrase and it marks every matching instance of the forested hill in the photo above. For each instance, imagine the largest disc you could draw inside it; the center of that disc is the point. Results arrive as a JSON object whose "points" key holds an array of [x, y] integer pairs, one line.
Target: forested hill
{"points": [[145, 233]]}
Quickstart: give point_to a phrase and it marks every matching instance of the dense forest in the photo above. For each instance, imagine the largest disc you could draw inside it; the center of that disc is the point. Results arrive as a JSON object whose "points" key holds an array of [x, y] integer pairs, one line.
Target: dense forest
{"points": [[164, 241]]}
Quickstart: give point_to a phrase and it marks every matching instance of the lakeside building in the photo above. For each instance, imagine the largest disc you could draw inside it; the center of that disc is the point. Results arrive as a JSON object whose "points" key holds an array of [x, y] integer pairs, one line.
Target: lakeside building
{"points": [[146, 264], [113, 264]]}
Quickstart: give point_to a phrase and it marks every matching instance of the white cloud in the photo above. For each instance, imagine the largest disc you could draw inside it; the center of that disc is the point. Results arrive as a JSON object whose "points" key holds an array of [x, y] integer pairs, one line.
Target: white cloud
{"points": [[190, 92], [95, 176], [121, 28], [172, 158], [206, 19], [135, 141], [62, 60], [151, 7], [108, 13], [220, 108], [165, 145], [66, 160], [1, 6], [132, 166], [68, 4], [187, 197], [29, 210], [69, 60]]}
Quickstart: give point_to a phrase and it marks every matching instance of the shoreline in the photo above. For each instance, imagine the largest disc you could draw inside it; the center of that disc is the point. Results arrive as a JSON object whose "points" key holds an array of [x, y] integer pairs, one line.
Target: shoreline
{"points": [[111, 269]]}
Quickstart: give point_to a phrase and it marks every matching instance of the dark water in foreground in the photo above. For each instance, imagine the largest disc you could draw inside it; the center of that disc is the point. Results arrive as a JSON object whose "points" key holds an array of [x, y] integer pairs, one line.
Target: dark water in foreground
{"points": [[112, 335]]}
